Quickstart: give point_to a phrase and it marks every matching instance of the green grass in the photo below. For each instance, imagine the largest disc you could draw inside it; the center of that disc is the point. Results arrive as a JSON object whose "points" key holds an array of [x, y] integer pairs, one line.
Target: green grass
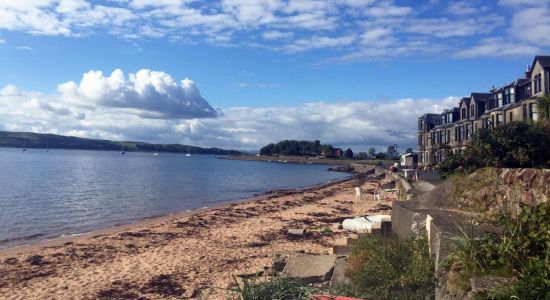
{"points": [[386, 267], [274, 288]]}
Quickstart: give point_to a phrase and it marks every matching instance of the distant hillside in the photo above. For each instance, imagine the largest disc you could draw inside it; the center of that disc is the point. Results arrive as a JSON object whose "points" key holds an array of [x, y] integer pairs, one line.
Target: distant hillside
{"points": [[52, 141]]}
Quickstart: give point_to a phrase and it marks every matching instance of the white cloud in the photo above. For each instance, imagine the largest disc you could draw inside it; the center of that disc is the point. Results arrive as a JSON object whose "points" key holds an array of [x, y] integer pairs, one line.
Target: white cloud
{"points": [[317, 42], [341, 123], [385, 10], [532, 25], [461, 8], [291, 26], [497, 47], [154, 94], [445, 28], [276, 35], [24, 48], [524, 2]]}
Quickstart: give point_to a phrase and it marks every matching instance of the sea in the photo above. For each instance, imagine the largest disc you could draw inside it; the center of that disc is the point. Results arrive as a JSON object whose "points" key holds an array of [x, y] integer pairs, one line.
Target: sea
{"points": [[55, 193]]}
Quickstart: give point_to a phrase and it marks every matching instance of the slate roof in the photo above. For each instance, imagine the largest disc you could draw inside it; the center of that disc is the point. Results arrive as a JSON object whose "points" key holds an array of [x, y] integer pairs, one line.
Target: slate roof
{"points": [[480, 97], [544, 61]]}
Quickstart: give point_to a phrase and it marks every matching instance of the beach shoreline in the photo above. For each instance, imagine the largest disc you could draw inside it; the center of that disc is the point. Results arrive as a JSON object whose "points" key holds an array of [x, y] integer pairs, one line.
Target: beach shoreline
{"points": [[199, 251], [72, 237]]}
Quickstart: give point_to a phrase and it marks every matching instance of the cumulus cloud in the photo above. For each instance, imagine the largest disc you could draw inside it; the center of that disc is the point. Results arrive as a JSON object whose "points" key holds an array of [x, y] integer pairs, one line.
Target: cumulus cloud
{"points": [[356, 123], [153, 94]]}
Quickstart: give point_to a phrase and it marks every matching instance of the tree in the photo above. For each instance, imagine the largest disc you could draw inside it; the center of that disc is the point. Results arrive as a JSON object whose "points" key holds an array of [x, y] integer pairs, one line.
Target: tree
{"points": [[372, 152], [409, 150], [513, 145], [267, 150], [543, 105], [392, 151], [362, 155], [348, 153]]}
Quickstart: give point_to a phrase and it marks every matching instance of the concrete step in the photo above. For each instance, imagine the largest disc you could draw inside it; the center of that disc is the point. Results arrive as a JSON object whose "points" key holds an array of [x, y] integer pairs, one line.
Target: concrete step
{"points": [[341, 250]]}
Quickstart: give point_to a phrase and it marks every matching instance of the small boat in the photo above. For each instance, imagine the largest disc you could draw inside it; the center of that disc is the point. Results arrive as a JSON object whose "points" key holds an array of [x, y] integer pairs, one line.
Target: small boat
{"points": [[122, 149], [156, 151], [188, 151]]}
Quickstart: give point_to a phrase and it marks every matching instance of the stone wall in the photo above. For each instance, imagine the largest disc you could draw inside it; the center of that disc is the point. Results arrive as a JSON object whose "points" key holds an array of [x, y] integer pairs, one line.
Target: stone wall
{"points": [[494, 191]]}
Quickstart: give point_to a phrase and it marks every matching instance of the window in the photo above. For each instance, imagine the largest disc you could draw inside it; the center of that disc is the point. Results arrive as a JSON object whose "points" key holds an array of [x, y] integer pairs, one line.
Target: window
{"points": [[500, 103], [472, 111], [500, 119], [442, 137], [537, 83], [460, 133], [511, 117], [420, 141], [468, 131], [420, 125], [533, 109], [512, 92], [448, 136], [463, 114], [524, 112]]}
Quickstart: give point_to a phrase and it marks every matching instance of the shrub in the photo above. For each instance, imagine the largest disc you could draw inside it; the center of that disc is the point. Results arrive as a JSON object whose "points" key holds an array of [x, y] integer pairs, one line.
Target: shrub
{"points": [[275, 288], [386, 267], [523, 251], [513, 145]]}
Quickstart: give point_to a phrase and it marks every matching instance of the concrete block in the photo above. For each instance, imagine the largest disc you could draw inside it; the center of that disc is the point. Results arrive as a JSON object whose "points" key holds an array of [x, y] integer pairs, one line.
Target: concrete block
{"points": [[310, 268]]}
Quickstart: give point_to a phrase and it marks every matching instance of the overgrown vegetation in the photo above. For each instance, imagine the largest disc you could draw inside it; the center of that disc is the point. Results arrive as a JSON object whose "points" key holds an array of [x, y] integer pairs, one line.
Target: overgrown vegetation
{"points": [[275, 288], [522, 251], [386, 267], [292, 147], [513, 145]]}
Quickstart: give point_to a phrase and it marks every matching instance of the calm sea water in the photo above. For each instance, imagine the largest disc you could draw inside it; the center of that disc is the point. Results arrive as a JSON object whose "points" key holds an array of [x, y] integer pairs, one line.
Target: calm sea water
{"points": [[48, 194]]}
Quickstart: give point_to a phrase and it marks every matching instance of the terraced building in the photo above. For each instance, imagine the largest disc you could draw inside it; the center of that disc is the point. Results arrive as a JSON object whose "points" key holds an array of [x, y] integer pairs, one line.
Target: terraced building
{"points": [[454, 127]]}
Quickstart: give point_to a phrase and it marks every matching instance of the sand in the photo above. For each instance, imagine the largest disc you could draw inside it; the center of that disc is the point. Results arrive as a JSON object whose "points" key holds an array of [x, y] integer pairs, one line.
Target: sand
{"points": [[188, 254]]}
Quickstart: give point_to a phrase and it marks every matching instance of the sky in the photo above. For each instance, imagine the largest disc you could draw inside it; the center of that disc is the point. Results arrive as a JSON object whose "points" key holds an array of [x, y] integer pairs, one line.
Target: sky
{"points": [[243, 73]]}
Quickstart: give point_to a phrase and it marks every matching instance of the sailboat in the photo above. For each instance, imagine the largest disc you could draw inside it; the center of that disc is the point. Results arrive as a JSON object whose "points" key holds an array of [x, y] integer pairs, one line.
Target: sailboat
{"points": [[156, 151], [122, 149], [188, 151]]}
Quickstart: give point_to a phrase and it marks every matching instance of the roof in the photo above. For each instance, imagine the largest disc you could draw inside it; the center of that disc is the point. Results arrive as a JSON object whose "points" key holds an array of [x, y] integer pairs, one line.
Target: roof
{"points": [[465, 99], [544, 61], [428, 116], [480, 97]]}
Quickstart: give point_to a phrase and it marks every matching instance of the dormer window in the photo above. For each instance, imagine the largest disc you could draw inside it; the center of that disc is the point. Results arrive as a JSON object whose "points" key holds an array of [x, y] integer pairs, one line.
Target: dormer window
{"points": [[500, 102], [512, 92]]}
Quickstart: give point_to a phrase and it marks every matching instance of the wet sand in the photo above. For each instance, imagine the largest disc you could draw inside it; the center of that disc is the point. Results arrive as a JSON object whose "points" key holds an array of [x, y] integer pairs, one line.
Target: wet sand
{"points": [[190, 253]]}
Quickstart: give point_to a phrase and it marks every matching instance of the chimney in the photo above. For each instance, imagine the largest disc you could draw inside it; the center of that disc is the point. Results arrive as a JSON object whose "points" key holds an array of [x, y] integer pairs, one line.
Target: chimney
{"points": [[528, 72]]}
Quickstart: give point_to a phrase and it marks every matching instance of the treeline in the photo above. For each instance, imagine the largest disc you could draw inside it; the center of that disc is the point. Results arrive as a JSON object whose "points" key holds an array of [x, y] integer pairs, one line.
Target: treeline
{"points": [[53, 141], [298, 148]]}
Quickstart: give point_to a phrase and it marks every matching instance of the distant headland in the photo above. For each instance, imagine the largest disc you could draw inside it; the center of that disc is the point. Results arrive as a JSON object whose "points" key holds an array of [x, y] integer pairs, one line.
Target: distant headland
{"points": [[53, 141]]}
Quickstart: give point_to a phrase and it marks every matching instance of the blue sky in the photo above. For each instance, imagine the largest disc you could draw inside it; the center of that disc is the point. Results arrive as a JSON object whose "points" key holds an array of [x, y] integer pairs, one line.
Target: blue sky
{"points": [[350, 72]]}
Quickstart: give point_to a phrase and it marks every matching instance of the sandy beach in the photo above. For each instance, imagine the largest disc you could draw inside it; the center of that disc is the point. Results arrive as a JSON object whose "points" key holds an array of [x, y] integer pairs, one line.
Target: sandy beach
{"points": [[186, 254]]}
